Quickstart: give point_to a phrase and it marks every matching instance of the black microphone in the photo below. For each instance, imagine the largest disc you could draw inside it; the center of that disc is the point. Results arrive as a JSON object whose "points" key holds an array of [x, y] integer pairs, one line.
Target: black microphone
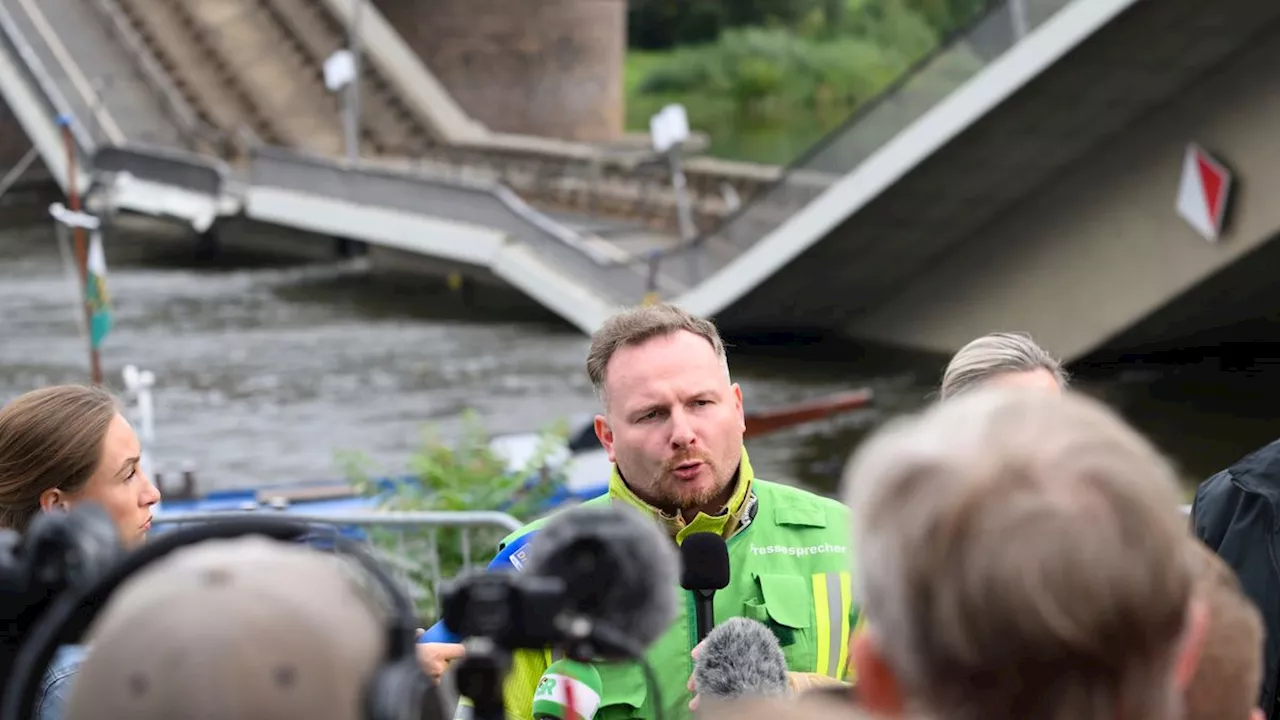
{"points": [[705, 569], [740, 658], [618, 571]]}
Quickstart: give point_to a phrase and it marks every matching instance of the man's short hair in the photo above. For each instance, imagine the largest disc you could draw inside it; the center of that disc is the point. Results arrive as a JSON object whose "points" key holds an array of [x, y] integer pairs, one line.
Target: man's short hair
{"points": [[1229, 675], [1022, 555], [995, 354], [640, 324]]}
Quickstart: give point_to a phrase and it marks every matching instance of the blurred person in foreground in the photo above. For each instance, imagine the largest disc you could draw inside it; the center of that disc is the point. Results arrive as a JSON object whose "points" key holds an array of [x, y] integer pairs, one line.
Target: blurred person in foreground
{"points": [[672, 422], [61, 446], [1002, 359], [1235, 514], [1021, 555], [246, 628], [807, 707], [1227, 678]]}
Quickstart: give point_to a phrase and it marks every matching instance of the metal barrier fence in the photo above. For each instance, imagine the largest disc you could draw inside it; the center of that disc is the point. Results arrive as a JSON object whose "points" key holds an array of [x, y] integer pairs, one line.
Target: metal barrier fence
{"points": [[412, 545]]}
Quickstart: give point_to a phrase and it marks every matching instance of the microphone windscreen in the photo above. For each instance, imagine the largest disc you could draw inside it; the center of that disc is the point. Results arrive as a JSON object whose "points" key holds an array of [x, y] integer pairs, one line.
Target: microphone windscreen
{"points": [[562, 678], [704, 562], [740, 658], [617, 566]]}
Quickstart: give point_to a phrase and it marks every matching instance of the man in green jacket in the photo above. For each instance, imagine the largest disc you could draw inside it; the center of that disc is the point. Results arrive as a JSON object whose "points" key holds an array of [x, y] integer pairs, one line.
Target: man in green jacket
{"points": [[673, 424]]}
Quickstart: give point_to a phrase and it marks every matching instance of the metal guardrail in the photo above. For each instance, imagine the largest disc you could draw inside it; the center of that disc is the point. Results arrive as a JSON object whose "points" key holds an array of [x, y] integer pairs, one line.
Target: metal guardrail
{"points": [[918, 90], [370, 518], [177, 168], [408, 543]]}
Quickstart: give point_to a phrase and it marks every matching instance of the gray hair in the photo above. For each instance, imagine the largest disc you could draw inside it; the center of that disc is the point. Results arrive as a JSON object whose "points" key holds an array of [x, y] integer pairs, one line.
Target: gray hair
{"points": [[1027, 539], [996, 354]]}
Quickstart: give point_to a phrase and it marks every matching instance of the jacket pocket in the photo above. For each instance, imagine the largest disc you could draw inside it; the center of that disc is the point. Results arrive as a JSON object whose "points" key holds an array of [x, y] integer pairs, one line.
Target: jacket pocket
{"points": [[784, 604]]}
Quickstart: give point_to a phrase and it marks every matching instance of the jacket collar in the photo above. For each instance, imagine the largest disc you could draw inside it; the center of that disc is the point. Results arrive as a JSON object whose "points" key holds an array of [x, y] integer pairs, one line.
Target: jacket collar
{"points": [[724, 523], [1259, 473]]}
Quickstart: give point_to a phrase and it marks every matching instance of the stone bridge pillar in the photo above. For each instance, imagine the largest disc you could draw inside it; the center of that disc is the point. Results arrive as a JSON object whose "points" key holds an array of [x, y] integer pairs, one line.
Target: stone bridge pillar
{"points": [[540, 67]]}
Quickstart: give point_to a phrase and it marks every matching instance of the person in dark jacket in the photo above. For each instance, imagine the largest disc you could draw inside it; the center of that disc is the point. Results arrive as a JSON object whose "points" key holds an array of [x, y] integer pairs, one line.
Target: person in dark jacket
{"points": [[1237, 514]]}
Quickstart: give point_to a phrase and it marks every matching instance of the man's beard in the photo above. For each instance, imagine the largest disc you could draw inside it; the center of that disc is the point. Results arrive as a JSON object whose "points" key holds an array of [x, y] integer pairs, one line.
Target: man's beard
{"points": [[670, 491]]}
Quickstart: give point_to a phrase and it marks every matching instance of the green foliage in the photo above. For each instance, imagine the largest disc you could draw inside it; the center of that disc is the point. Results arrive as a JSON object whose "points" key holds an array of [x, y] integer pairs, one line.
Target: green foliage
{"points": [[779, 75], [462, 475], [666, 24]]}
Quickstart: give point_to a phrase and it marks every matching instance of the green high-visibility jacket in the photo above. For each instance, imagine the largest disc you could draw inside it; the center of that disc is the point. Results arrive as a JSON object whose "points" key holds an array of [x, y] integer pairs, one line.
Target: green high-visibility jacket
{"points": [[790, 569]]}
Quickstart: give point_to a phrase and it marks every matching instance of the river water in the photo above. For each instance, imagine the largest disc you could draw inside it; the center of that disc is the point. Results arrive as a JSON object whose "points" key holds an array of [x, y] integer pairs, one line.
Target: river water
{"points": [[266, 369]]}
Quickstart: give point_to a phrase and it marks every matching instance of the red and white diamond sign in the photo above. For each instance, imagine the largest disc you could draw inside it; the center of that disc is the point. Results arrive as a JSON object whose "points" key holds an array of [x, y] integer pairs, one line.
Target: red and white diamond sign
{"points": [[1202, 194]]}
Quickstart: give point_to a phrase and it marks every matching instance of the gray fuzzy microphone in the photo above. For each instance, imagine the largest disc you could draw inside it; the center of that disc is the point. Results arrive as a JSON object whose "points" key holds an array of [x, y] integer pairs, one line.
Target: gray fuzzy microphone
{"points": [[740, 658]]}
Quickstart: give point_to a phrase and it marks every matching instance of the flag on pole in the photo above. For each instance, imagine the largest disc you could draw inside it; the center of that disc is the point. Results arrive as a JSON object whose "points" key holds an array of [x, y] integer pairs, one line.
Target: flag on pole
{"points": [[96, 291]]}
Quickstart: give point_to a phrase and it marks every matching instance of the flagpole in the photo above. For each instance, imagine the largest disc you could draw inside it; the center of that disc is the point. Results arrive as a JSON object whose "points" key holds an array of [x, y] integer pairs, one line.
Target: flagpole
{"points": [[81, 249]]}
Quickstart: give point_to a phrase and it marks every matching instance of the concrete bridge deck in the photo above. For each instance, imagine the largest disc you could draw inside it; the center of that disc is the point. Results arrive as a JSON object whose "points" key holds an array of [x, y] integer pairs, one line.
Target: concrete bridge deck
{"points": [[891, 230]]}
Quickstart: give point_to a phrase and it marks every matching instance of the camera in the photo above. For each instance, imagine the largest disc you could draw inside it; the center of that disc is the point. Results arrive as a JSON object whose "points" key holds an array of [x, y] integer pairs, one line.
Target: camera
{"points": [[59, 552], [509, 609]]}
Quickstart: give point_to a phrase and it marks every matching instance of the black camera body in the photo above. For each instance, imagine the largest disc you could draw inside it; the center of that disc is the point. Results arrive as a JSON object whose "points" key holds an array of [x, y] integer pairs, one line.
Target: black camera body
{"points": [[512, 610], [59, 552]]}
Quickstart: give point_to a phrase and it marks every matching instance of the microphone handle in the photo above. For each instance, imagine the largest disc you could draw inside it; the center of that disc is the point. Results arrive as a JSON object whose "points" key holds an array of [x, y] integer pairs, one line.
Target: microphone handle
{"points": [[704, 612]]}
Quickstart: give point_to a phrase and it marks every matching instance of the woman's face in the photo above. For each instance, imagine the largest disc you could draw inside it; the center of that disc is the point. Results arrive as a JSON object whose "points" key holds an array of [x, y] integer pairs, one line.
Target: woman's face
{"points": [[117, 484]]}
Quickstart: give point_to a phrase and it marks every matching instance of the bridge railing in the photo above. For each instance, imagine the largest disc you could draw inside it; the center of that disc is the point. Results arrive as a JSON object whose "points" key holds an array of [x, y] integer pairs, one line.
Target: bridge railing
{"points": [[954, 62], [38, 77], [421, 549], [166, 166], [447, 193]]}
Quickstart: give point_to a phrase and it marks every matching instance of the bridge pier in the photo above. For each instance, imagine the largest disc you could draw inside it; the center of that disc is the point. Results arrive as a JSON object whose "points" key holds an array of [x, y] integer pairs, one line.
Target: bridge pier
{"points": [[541, 68]]}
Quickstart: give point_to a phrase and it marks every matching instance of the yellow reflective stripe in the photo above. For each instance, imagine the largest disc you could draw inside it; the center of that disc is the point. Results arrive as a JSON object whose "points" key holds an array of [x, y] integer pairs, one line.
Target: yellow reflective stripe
{"points": [[823, 616], [832, 604], [846, 607]]}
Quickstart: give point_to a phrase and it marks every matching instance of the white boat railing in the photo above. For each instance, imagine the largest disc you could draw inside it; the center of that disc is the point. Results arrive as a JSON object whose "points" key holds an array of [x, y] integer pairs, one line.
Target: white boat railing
{"points": [[422, 549]]}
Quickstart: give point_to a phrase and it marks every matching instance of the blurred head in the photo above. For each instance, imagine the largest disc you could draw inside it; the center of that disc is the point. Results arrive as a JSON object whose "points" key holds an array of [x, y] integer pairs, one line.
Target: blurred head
{"points": [[1229, 675], [241, 628], [69, 444], [805, 707], [672, 420], [1021, 555], [1002, 360]]}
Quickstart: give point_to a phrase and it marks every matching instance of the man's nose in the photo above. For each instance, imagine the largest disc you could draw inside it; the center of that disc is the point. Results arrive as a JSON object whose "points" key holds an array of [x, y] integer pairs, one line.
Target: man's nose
{"points": [[682, 434]]}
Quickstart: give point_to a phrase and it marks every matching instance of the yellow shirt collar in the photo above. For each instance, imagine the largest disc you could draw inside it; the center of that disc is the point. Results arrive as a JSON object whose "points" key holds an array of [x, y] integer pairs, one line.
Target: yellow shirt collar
{"points": [[724, 523]]}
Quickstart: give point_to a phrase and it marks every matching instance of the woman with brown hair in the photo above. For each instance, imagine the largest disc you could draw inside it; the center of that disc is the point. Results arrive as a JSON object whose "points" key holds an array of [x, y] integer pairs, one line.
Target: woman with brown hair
{"points": [[61, 446]]}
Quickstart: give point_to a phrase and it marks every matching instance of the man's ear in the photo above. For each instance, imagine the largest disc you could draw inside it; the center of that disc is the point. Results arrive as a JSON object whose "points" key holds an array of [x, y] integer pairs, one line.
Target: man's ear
{"points": [[604, 434], [1192, 645], [877, 687]]}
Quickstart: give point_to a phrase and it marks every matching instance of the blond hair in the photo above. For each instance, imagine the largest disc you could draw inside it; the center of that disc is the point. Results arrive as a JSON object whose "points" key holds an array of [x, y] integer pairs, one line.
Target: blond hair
{"points": [[1021, 555], [1229, 674], [49, 438], [995, 354], [638, 325]]}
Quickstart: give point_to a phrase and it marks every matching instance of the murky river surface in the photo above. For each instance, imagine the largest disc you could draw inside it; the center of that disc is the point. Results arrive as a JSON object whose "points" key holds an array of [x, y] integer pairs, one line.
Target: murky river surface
{"points": [[265, 370]]}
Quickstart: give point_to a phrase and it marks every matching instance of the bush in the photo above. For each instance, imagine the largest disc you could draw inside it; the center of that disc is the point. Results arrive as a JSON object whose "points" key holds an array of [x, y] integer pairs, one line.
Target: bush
{"points": [[464, 475]]}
